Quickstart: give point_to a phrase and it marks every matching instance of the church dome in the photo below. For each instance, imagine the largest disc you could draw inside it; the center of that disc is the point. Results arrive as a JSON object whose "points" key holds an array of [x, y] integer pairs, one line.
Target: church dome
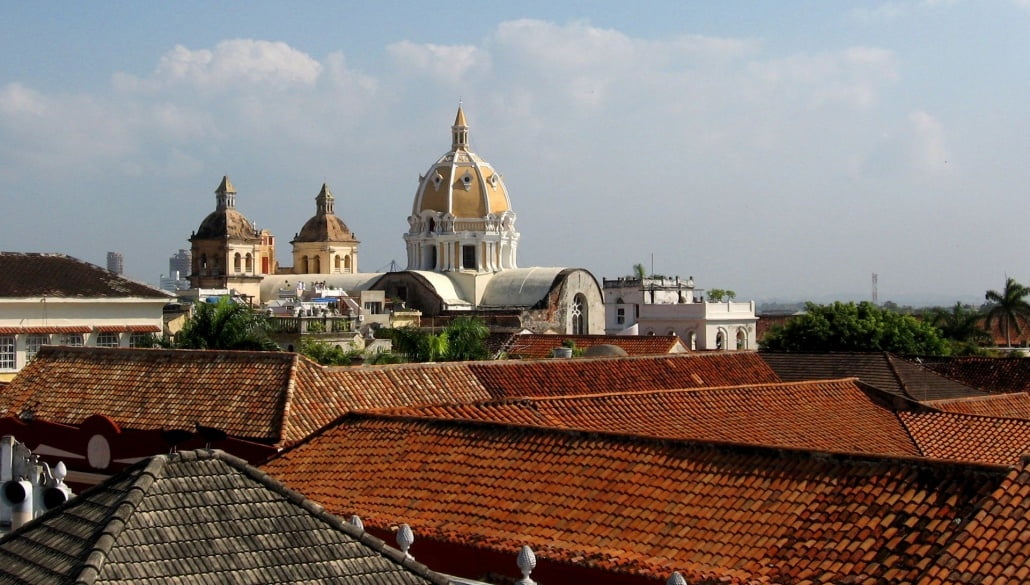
{"points": [[324, 226], [225, 222], [461, 183]]}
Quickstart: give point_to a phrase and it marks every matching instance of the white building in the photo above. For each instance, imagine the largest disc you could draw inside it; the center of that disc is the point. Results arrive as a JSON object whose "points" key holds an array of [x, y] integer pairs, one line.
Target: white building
{"points": [[53, 299], [670, 306]]}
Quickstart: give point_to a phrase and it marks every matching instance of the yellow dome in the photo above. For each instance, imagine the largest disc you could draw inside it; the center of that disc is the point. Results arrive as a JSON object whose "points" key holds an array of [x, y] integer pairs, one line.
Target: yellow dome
{"points": [[460, 183]]}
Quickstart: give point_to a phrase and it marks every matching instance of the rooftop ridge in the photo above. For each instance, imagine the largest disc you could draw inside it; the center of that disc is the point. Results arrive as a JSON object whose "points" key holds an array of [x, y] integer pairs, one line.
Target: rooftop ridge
{"points": [[633, 438]]}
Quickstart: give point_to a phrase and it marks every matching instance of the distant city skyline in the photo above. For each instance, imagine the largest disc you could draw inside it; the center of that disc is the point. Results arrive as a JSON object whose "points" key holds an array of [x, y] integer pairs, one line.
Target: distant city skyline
{"points": [[786, 151]]}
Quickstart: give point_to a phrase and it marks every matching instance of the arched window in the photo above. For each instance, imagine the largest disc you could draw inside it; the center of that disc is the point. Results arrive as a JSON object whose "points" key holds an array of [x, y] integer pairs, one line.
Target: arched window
{"points": [[237, 262], [304, 265], [249, 263], [346, 264], [580, 315], [720, 340], [336, 263], [203, 261], [317, 265], [692, 340], [741, 339]]}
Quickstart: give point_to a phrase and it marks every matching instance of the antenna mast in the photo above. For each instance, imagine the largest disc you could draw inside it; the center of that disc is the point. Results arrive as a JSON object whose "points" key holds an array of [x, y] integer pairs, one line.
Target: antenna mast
{"points": [[876, 293]]}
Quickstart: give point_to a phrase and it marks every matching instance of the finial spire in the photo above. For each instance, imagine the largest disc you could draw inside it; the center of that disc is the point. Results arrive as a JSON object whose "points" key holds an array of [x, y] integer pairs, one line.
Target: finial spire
{"points": [[460, 131], [225, 194]]}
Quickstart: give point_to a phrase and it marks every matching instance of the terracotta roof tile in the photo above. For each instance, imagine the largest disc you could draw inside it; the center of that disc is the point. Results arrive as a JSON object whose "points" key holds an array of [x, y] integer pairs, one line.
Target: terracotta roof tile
{"points": [[944, 435], [1015, 405], [881, 370], [829, 415], [628, 505]]}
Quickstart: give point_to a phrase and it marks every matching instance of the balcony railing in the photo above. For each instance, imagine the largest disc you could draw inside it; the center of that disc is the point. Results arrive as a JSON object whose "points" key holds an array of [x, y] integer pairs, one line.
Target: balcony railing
{"points": [[311, 325]]}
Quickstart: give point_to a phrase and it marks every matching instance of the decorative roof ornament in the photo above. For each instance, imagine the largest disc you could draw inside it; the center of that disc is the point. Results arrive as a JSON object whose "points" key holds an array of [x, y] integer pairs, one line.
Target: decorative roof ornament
{"points": [[405, 537], [676, 579], [526, 563], [356, 522]]}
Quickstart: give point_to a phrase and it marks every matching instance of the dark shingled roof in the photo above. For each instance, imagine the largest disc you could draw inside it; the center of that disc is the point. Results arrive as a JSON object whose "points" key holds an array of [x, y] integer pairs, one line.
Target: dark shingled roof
{"points": [[197, 518], [882, 370], [26, 274], [995, 375]]}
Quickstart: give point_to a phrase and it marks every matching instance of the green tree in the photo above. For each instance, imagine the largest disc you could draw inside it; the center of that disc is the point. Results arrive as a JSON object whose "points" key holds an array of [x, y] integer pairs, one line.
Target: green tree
{"points": [[639, 272], [850, 327], [962, 326], [1009, 307], [717, 295], [418, 345], [466, 339], [327, 354], [224, 325]]}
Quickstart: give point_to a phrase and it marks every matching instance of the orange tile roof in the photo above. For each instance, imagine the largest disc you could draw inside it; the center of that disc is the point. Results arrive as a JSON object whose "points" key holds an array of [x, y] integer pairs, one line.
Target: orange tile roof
{"points": [[554, 377], [279, 398], [984, 439], [828, 415], [994, 547], [630, 505], [246, 394], [534, 346], [1016, 405]]}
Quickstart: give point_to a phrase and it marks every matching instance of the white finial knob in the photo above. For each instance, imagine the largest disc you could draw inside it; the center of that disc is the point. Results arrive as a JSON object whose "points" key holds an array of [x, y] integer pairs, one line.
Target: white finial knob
{"points": [[355, 521], [526, 562], [60, 472], [676, 579], [404, 539]]}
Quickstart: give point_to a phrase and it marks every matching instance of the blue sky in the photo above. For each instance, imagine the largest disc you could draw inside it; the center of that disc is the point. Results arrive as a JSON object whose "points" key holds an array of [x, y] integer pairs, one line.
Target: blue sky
{"points": [[784, 150]]}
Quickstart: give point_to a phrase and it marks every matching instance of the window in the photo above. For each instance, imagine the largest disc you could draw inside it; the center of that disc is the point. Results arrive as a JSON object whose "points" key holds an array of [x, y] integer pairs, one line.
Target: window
{"points": [[580, 320], [249, 263], [374, 308], [237, 262], [141, 340], [620, 315], [7, 355], [72, 339], [468, 257], [32, 345], [107, 339]]}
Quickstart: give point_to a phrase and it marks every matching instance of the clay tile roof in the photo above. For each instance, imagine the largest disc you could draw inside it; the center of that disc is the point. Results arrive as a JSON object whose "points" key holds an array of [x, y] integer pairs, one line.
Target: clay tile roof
{"points": [[560, 377], [882, 370], [57, 275], [540, 346], [832, 415], [994, 547], [629, 505], [995, 375], [225, 223], [245, 394], [197, 518], [984, 439], [1016, 405]]}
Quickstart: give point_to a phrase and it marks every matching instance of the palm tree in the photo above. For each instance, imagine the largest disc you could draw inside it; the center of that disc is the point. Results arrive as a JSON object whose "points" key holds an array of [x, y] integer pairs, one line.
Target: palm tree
{"points": [[1009, 307], [224, 325], [962, 325], [466, 339]]}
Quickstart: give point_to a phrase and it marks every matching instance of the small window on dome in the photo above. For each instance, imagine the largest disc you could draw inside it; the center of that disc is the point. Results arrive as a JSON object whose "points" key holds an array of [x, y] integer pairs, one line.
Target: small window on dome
{"points": [[493, 181], [466, 179], [437, 179]]}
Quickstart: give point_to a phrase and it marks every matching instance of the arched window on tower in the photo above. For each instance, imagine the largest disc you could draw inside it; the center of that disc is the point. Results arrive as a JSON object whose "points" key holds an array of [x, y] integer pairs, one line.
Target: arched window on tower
{"points": [[336, 263], [741, 339], [580, 315], [347, 264], [237, 262], [304, 265], [316, 265], [249, 262]]}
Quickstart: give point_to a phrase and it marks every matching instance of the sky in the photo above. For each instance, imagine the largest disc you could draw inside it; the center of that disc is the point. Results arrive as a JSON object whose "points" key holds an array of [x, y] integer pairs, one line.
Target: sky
{"points": [[784, 150]]}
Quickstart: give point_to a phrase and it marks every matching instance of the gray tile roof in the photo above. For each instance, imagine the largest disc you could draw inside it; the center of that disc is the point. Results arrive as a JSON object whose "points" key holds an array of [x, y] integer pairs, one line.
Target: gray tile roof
{"points": [[56, 275], [199, 517], [881, 370]]}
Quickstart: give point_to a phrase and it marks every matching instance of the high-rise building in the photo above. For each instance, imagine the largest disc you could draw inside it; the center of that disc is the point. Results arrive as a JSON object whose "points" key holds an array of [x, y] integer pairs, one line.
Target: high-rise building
{"points": [[179, 264], [115, 263]]}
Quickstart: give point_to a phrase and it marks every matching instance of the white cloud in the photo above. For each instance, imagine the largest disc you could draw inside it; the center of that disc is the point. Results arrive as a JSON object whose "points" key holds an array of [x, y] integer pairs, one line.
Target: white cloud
{"points": [[233, 62], [929, 149], [443, 63]]}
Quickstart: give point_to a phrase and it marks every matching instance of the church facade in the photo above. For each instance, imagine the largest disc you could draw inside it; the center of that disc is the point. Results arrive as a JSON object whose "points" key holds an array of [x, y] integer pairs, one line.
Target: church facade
{"points": [[461, 254]]}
